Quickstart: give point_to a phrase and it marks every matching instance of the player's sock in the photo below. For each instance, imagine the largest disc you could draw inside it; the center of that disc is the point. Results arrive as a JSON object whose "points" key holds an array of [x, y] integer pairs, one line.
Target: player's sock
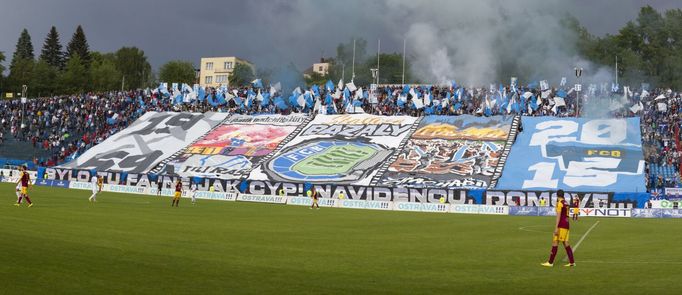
{"points": [[19, 200], [28, 200], [552, 254], [569, 252]]}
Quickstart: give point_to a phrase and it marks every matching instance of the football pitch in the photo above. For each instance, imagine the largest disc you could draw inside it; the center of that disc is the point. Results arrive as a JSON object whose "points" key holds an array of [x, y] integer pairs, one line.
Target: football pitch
{"points": [[129, 244]]}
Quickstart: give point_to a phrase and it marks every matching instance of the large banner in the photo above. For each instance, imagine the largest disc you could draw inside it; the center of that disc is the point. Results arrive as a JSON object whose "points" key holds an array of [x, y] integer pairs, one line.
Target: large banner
{"points": [[235, 147], [451, 152], [340, 149], [150, 139], [576, 154]]}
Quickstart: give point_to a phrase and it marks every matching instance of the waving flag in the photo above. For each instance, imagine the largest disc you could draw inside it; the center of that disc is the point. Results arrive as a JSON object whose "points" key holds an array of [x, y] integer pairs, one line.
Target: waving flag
{"points": [[258, 83], [329, 86], [280, 103]]}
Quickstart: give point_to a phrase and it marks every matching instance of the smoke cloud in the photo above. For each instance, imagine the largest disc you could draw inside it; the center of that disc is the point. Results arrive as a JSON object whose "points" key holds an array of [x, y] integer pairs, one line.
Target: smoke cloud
{"points": [[477, 42]]}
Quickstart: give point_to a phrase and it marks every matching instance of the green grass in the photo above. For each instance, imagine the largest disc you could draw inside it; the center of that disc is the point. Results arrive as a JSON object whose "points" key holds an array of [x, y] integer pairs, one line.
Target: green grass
{"points": [[127, 244]]}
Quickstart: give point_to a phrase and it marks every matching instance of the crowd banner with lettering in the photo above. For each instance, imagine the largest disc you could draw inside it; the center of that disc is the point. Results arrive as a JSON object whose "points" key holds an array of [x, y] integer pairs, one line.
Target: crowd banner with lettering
{"points": [[235, 147], [598, 155], [150, 139], [340, 149], [452, 152]]}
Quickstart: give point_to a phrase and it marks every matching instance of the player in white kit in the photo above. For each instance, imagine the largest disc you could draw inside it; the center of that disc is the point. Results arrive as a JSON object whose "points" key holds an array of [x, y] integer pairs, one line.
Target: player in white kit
{"points": [[19, 193], [96, 188], [193, 192]]}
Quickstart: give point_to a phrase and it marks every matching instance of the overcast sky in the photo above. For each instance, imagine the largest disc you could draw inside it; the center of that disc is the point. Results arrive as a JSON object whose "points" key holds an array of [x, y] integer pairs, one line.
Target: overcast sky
{"points": [[262, 31]]}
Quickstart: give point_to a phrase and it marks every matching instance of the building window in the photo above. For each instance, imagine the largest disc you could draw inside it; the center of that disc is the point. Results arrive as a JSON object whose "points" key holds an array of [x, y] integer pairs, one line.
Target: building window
{"points": [[221, 78], [209, 66], [320, 69], [227, 65], [209, 79]]}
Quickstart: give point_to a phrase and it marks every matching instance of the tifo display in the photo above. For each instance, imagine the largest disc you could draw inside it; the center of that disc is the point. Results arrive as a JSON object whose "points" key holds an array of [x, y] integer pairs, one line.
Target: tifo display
{"points": [[437, 154]]}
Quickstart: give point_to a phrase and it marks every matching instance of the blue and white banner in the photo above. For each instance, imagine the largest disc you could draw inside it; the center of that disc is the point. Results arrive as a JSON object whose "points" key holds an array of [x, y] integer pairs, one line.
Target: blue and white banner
{"points": [[52, 183], [599, 155], [671, 213]]}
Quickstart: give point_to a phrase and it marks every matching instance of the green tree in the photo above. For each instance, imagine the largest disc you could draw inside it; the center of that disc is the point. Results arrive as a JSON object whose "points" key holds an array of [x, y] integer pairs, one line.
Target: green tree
{"points": [[78, 46], [242, 75], [342, 64], [21, 66], [103, 72], [177, 71], [52, 50], [315, 78], [44, 79], [390, 68], [24, 48], [133, 65], [74, 78]]}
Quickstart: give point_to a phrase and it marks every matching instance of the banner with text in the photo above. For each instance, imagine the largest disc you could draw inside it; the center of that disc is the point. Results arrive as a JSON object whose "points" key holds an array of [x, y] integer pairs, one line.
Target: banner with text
{"points": [[235, 147], [149, 140], [341, 149], [451, 152], [599, 155]]}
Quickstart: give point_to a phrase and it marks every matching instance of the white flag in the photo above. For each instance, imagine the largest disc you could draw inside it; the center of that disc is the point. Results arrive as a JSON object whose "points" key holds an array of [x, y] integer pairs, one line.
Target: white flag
{"points": [[418, 103], [637, 107], [559, 101], [358, 94], [662, 107], [351, 86]]}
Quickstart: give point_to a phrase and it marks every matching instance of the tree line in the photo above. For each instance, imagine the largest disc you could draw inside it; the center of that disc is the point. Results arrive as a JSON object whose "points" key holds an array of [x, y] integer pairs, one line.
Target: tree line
{"points": [[76, 69], [648, 50]]}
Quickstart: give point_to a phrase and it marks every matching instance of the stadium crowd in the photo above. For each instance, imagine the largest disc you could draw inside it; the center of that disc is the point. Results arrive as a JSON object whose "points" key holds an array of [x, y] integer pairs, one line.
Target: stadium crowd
{"points": [[64, 127]]}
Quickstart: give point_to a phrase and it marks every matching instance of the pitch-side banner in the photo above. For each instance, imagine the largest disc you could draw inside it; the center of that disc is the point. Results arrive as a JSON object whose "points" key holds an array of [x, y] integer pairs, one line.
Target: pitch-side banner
{"points": [[451, 152], [150, 139], [339, 149], [235, 147], [576, 154]]}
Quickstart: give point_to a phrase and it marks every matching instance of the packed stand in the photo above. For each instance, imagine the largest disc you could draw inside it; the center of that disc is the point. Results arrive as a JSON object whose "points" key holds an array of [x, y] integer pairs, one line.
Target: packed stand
{"points": [[61, 128]]}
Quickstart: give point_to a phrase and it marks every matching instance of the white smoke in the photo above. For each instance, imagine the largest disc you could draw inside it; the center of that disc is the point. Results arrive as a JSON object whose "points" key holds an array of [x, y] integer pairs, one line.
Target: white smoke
{"points": [[477, 42]]}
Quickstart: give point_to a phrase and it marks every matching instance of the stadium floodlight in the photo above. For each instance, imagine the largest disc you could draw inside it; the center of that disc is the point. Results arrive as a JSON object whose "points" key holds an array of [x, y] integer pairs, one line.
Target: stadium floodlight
{"points": [[578, 87]]}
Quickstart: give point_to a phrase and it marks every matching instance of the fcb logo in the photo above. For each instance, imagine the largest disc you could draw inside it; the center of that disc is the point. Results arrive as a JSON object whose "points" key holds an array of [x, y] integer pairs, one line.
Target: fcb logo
{"points": [[328, 160]]}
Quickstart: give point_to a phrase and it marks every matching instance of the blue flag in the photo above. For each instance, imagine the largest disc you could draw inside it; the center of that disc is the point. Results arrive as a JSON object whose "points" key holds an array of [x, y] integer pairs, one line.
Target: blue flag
{"points": [[280, 103], [329, 85], [201, 94], [210, 100], [266, 99], [258, 83], [221, 98]]}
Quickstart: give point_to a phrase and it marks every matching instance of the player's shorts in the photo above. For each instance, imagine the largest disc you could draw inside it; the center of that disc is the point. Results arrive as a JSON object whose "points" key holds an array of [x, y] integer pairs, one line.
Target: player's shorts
{"points": [[24, 190], [314, 201], [562, 235], [177, 195], [576, 211]]}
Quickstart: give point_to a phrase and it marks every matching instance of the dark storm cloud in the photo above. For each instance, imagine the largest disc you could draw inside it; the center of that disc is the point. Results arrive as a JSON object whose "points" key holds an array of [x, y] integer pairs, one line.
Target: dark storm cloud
{"points": [[269, 33]]}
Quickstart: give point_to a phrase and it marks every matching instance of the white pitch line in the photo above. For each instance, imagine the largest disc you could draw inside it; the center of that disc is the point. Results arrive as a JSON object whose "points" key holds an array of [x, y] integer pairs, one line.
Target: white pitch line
{"points": [[631, 262], [583, 238]]}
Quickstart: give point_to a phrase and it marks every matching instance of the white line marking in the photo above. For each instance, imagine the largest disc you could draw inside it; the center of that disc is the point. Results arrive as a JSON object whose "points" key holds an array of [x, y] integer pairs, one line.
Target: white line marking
{"points": [[583, 238], [631, 262], [525, 228]]}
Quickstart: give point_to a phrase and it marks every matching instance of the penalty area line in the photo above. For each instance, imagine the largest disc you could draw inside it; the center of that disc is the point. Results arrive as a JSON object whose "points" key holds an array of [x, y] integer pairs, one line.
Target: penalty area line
{"points": [[583, 238]]}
